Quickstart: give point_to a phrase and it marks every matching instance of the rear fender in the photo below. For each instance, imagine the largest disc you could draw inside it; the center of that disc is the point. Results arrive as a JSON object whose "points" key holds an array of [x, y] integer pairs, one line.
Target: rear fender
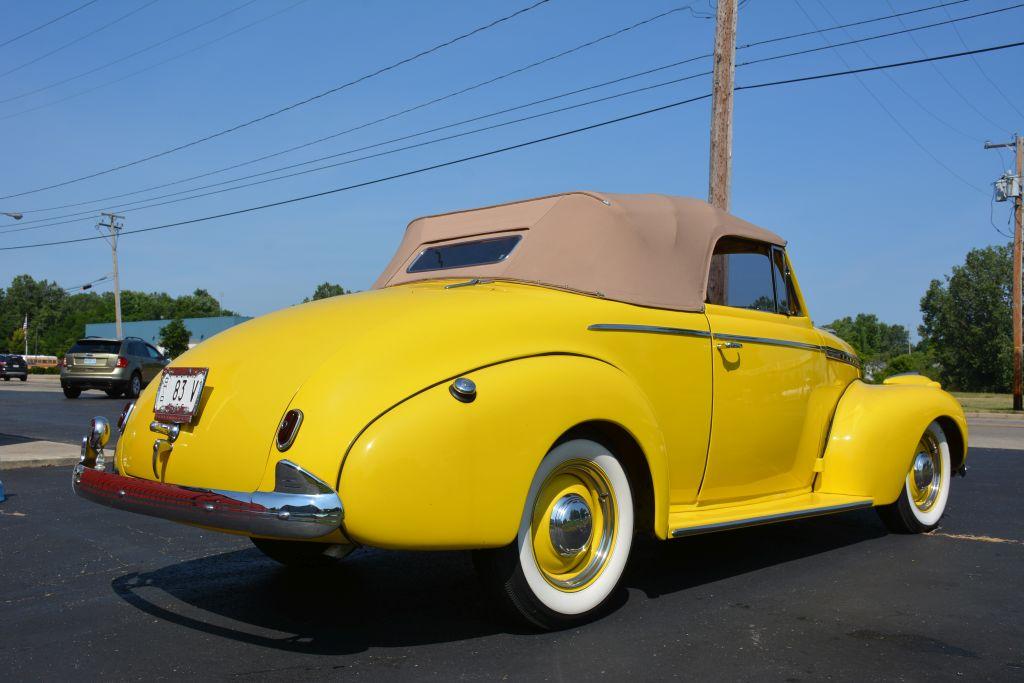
{"points": [[875, 432], [437, 473]]}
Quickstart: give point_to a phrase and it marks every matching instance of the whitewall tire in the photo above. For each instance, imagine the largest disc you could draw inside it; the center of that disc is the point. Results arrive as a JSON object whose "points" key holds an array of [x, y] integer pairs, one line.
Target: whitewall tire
{"points": [[922, 500], [573, 540]]}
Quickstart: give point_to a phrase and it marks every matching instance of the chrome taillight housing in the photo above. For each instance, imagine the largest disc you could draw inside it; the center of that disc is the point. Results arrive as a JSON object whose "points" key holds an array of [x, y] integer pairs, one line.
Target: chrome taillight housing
{"points": [[126, 412], [288, 429]]}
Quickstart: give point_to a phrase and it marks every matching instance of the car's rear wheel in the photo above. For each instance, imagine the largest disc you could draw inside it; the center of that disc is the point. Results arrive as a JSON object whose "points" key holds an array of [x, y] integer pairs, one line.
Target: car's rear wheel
{"points": [[24, 378], [573, 541], [134, 386], [70, 392], [925, 491], [301, 553]]}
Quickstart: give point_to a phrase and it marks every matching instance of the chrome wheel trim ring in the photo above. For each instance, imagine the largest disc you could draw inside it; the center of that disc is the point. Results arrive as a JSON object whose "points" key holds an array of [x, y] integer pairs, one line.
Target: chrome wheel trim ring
{"points": [[596, 480]]}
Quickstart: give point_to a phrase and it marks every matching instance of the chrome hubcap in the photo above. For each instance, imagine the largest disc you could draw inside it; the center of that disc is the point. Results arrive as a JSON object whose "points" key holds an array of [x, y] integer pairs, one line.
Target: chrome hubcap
{"points": [[571, 525], [924, 472], [925, 477]]}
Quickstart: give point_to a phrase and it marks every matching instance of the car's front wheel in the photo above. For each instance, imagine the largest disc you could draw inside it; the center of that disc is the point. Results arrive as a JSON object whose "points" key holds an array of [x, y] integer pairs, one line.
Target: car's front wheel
{"points": [[70, 392], [925, 489], [573, 540]]}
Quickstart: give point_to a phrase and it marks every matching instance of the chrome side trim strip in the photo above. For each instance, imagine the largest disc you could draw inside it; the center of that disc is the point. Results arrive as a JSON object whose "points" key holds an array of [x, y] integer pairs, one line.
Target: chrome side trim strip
{"points": [[650, 329], [842, 356], [771, 519], [830, 352], [768, 341]]}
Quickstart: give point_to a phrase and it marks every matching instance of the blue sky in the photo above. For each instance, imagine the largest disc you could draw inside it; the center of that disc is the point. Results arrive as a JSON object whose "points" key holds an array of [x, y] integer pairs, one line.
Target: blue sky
{"points": [[871, 219]]}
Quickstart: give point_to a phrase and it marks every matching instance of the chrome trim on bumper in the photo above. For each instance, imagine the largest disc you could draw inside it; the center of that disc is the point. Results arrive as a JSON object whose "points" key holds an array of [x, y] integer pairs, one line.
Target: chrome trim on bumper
{"points": [[302, 506]]}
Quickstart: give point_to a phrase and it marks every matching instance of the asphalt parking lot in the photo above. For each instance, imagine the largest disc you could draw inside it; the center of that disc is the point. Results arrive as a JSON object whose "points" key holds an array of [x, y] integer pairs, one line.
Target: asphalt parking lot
{"points": [[89, 592]]}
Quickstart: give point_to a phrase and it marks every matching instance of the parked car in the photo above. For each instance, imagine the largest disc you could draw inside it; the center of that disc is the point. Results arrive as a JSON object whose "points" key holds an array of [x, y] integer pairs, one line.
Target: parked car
{"points": [[536, 382], [13, 366], [120, 367]]}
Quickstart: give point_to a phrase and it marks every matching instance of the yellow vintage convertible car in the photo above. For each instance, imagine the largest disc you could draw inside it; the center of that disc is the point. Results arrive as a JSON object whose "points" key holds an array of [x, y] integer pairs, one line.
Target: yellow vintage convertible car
{"points": [[537, 382]]}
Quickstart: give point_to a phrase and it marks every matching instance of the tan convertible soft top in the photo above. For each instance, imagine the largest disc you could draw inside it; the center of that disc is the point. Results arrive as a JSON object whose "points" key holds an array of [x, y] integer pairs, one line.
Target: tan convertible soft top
{"points": [[646, 249]]}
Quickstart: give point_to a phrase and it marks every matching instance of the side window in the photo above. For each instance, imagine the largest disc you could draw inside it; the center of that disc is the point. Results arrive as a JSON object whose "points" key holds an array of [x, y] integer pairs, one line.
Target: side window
{"points": [[741, 275], [785, 295], [153, 353]]}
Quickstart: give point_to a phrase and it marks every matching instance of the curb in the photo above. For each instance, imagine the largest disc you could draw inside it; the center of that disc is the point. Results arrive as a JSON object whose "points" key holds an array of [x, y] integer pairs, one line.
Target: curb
{"points": [[997, 416], [37, 462]]}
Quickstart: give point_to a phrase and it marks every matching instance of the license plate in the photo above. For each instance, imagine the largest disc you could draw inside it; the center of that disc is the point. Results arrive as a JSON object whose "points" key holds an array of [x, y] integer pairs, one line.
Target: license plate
{"points": [[178, 396], [88, 361]]}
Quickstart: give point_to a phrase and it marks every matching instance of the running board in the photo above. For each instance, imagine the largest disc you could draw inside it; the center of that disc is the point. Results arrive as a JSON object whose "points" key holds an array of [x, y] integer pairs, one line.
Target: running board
{"points": [[784, 516]]}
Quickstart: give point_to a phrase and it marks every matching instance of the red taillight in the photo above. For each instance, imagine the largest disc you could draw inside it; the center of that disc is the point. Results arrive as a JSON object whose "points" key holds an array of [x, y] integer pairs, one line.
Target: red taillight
{"points": [[288, 429], [122, 362]]}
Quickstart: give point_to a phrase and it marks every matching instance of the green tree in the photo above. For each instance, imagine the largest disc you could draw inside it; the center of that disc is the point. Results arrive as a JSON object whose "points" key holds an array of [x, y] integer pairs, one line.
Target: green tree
{"points": [[872, 339], [326, 290], [174, 338], [967, 322], [57, 319]]}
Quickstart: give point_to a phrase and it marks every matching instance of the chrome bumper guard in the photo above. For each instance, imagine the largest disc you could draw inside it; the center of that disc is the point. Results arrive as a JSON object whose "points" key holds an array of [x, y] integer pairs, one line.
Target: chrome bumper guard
{"points": [[301, 506]]}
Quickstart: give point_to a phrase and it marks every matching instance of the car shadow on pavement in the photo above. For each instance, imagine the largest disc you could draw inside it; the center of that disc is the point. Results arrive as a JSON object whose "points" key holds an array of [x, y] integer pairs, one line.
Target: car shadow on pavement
{"points": [[659, 568], [379, 598]]}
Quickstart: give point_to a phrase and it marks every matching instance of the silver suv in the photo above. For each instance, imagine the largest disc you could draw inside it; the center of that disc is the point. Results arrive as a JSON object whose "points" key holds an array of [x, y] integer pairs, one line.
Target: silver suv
{"points": [[120, 367]]}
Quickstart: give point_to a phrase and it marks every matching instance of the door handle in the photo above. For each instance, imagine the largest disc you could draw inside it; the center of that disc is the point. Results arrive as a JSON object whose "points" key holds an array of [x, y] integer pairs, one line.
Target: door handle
{"points": [[729, 345]]}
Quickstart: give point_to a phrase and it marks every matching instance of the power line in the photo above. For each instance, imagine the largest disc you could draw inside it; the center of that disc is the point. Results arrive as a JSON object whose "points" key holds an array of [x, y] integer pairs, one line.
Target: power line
{"points": [[44, 25], [75, 217], [889, 113], [128, 56], [481, 155], [983, 72], [862, 22], [293, 105], [78, 39], [503, 111], [948, 82], [154, 65], [407, 110]]}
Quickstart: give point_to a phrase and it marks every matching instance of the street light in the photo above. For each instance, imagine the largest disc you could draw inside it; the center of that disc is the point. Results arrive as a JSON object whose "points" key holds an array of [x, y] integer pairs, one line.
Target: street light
{"points": [[13, 214]]}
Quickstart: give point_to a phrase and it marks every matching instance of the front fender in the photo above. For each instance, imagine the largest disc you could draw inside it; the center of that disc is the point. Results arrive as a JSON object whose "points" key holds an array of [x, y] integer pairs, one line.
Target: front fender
{"points": [[875, 433], [436, 473]]}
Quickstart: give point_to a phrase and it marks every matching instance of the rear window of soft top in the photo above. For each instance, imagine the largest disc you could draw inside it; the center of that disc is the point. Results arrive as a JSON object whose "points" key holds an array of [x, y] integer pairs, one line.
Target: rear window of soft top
{"points": [[462, 254]]}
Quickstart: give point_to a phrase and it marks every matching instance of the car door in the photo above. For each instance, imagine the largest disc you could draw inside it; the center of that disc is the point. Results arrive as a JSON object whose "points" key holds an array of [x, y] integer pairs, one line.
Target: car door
{"points": [[770, 379]]}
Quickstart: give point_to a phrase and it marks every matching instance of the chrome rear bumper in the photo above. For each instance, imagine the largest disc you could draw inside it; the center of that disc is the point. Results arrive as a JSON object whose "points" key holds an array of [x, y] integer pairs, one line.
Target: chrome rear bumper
{"points": [[301, 506]]}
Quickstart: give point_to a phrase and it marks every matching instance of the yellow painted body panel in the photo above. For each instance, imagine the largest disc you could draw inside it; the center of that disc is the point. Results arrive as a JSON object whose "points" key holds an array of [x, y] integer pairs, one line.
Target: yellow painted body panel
{"points": [[772, 405], [417, 469], [767, 507], [875, 433], [457, 474]]}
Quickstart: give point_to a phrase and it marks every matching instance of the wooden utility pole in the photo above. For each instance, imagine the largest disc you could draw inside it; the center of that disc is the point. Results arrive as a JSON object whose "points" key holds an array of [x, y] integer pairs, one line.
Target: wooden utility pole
{"points": [[721, 105], [1018, 309], [114, 224], [720, 166]]}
